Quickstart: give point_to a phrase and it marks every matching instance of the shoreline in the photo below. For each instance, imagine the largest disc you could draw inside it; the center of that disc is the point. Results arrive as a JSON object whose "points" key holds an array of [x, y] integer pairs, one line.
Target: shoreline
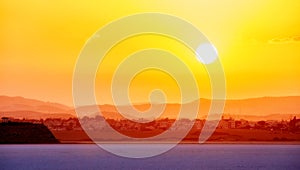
{"points": [[193, 143], [167, 142]]}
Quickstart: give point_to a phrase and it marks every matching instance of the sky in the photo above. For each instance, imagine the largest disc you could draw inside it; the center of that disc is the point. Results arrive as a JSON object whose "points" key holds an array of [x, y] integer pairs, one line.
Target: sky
{"points": [[258, 43]]}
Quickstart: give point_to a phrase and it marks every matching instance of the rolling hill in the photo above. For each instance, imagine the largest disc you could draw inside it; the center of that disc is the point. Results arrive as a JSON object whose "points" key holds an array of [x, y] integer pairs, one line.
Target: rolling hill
{"points": [[8, 104], [265, 108]]}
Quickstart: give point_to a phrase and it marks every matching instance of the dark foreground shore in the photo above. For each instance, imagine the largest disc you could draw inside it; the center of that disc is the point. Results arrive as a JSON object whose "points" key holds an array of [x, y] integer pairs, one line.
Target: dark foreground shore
{"points": [[26, 133], [30, 133]]}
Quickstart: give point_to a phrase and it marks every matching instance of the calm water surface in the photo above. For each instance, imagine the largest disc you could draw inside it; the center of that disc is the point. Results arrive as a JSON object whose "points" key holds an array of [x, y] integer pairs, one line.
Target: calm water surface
{"points": [[207, 156]]}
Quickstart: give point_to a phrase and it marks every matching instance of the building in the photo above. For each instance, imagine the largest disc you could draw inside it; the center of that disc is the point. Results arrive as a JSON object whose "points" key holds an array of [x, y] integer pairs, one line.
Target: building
{"points": [[5, 120], [226, 123], [294, 125]]}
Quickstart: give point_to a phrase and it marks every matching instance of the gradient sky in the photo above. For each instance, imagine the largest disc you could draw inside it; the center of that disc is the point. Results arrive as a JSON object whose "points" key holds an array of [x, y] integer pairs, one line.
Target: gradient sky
{"points": [[258, 43]]}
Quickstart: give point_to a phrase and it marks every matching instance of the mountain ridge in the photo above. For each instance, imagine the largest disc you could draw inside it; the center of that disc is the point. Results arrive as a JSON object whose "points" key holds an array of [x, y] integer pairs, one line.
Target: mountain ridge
{"points": [[16, 103], [242, 108]]}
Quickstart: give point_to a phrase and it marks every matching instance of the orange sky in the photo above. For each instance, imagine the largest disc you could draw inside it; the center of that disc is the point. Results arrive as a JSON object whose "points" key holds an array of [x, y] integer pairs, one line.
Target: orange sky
{"points": [[258, 43]]}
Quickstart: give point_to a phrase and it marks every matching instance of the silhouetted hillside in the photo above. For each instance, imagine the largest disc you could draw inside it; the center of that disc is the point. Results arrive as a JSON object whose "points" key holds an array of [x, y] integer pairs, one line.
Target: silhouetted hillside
{"points": [[22, 133]]}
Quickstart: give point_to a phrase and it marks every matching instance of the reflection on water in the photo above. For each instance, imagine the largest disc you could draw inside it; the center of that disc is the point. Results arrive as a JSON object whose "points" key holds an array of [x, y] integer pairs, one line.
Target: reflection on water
{"points": [[186, 156]]}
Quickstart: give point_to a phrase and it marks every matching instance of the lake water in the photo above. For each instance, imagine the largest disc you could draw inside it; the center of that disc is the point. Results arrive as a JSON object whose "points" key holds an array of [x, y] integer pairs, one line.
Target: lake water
{"points": [[184, 156]]}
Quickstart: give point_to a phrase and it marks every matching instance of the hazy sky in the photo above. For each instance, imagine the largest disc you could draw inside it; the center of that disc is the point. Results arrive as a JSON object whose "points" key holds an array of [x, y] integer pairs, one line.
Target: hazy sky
{"points": [[258, 43]]}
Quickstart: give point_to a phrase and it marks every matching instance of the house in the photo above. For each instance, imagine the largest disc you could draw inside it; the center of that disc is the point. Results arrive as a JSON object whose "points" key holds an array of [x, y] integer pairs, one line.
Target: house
{"points": [[226, 123], [294, 124]]}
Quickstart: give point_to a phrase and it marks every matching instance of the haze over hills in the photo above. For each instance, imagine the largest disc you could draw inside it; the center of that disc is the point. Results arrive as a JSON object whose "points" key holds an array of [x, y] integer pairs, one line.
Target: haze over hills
{"points": [[266, 108]]}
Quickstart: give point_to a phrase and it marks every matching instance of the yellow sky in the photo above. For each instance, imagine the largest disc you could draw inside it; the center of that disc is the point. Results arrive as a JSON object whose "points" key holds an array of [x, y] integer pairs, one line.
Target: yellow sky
{"points": [[258, 43]]}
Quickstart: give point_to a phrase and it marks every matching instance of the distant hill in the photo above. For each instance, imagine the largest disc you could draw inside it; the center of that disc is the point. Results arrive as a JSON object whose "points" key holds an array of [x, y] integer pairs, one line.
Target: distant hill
{"points": [[255, 108], [35, 115], [264, 108], [9, 104], [20, 107], [263, 117]]}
